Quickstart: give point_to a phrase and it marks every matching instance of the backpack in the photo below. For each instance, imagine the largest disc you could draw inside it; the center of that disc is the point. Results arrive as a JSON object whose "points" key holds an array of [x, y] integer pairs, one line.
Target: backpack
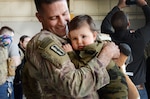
{"points": [[3, 64]]}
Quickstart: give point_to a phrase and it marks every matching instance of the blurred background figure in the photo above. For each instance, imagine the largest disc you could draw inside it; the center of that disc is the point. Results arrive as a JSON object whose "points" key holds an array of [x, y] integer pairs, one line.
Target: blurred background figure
{"points": [[136, 39], [147, 55], [13, 60], [18, 91]]}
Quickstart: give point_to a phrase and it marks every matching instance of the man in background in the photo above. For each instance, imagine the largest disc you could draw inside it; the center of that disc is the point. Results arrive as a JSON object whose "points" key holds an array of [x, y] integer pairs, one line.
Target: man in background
{"points": [[137, 40], [7, 89]]}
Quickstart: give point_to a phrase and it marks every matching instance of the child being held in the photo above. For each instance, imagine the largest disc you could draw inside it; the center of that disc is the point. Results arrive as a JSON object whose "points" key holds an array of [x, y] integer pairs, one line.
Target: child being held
{"points": [[85, 46], [5, 40]]}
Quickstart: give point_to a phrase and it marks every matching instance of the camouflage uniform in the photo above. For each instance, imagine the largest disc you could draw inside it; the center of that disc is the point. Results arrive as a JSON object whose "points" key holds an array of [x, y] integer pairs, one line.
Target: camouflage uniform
{"points": [[81, 58], [55, 76], [117, 88]]}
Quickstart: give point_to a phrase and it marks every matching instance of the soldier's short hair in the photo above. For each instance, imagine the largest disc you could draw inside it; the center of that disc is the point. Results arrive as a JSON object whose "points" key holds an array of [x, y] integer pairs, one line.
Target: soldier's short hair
{"points": [[38, 3]]}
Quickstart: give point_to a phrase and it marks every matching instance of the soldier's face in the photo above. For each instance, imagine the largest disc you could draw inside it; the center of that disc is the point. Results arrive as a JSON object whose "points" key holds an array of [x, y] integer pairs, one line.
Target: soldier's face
{"points": [[54, 17]]}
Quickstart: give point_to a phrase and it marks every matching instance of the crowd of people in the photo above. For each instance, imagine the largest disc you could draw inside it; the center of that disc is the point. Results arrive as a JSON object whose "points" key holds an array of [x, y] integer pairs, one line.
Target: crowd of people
{"points": [[136, 39], [68, 60]]}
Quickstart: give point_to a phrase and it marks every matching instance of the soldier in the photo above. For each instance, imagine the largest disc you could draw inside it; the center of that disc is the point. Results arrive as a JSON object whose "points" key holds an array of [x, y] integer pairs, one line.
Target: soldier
{"points": [[49, 72]]}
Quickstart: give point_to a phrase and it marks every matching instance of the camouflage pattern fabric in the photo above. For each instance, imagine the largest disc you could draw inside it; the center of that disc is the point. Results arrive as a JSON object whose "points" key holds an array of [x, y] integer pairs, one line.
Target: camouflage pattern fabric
{"points": [[47, 77], [117, 88], [81, 58]]}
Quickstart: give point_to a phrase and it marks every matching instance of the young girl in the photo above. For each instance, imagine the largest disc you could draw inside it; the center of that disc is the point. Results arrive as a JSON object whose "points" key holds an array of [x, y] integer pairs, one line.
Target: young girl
{"points": [[84, 46]]}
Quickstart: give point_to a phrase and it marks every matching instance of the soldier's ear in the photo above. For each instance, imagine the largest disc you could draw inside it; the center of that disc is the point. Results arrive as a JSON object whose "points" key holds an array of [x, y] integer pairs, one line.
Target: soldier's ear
{"points": [[39, 17]]}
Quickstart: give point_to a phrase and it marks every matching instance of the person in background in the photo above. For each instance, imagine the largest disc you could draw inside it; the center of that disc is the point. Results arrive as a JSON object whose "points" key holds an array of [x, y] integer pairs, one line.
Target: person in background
{"points": [[86, 45], [48, 72], [136, 39], [18, 91], [147, 55], [6, 89]]}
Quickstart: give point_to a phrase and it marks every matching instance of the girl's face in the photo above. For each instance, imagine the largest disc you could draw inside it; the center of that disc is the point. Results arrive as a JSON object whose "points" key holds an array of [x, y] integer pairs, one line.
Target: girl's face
{"points": [[82, 36]]}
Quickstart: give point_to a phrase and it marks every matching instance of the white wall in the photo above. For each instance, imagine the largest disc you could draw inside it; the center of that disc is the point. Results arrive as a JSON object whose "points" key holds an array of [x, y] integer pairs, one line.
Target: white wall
{"points": [[20, 14], [21, 28]]}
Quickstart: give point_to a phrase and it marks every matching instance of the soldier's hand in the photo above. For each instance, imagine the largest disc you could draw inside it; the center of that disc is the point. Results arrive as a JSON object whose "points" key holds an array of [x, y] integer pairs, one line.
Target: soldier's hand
{"points": [[141, 3], [109, 52], [112, 49]]}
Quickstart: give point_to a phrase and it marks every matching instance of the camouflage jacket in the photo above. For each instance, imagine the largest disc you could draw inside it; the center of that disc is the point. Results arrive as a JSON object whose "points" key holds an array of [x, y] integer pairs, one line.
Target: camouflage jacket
{"points": [[50, 74], [117, 88], [80, 58]]}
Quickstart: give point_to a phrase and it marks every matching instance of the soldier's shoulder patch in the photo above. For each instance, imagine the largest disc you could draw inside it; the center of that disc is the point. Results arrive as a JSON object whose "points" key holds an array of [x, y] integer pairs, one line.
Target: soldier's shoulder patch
{"points": [[53, 52], [57, 50]]}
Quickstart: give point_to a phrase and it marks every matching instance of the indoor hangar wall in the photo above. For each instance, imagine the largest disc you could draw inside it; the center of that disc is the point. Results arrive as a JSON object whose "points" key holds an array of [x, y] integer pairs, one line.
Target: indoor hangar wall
{"points": [[20, 14]]}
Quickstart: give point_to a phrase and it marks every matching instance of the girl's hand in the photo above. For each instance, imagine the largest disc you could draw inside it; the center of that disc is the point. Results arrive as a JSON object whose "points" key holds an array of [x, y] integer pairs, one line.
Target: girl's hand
{"points": [[67, 47]]}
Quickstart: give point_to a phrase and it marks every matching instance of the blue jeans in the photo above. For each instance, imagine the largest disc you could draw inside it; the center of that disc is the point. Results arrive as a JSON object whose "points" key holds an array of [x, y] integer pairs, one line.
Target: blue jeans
{"points": [[7, 91], [143, 93]]}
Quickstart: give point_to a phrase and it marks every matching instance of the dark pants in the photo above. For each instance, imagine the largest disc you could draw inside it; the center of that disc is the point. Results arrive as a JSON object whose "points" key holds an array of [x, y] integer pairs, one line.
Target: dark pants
{"points": [[18, 92], [147, 84]]}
